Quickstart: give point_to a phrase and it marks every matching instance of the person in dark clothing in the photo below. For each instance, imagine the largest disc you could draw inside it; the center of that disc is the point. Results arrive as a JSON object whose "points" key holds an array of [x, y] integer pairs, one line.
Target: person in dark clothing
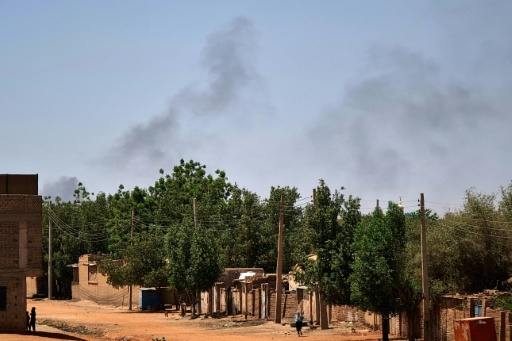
{"points": [[27, 326], [33, 319], [298, 323]]}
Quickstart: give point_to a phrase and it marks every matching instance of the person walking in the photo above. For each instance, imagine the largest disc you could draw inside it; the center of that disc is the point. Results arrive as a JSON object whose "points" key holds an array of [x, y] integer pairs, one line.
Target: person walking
{"points": [[33, 319], [298, 323]]}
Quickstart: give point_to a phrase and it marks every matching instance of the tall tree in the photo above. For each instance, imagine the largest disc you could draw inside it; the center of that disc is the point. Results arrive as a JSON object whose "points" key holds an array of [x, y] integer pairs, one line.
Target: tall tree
{"points": [[331, 222], [142, 261], [194, 260], [174, 193], [379, 245]]}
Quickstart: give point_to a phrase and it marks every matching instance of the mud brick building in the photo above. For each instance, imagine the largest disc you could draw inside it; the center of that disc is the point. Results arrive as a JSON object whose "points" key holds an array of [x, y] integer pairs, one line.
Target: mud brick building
{"points": [[91, 285], [20, 246]]}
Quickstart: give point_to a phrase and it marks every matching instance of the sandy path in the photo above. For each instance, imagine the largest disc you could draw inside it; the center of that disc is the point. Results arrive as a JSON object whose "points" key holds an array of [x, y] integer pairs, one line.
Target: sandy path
{"points": [[110, 323]]}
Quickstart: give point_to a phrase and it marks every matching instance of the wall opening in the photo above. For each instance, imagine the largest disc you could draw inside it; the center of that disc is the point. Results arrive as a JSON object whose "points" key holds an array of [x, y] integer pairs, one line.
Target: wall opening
{"points": [[3, 298]]}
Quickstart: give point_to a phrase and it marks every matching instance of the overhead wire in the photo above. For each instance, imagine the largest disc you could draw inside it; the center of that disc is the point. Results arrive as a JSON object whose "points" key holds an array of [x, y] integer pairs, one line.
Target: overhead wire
{"points": [[83, 232], [78, 232]]}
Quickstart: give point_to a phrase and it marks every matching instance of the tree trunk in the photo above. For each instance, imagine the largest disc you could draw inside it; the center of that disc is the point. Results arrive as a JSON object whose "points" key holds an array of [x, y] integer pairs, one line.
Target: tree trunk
{"points": [[385, 327], [199, 303], [324, 321], [193, 308], [411, 330]]}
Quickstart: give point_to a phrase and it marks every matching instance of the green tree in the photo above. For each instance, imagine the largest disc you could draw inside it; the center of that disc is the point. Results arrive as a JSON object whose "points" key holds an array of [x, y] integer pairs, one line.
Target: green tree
{"points": [[142, 261], [240, 229], [379, 245], [78, 228], [173, 194], [292, 234], [330, 224], [194, 260], [477, 237]]}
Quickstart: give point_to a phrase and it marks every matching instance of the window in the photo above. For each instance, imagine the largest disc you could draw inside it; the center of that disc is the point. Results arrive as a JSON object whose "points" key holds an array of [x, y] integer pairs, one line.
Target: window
{"points": [[478, 308], [93, 274], [3, 298], [76, 277]]}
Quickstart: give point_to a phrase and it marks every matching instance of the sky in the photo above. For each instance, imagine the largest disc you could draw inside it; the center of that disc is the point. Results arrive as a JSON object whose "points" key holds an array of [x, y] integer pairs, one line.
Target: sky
{"points": [[388, 99]]}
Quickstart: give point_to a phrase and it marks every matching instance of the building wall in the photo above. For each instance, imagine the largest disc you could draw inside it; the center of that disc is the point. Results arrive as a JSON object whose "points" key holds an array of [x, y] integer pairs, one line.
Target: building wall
{"points": [[452, 308], [21, 233], [345, 313], [19, 184], [289, 306], [20, 252], [308, 306], [91, 285], [13, 317], [34, 286]]}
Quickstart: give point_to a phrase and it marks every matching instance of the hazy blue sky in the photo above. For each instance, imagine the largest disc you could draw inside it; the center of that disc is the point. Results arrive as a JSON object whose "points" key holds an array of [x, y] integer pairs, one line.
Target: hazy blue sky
{"points": [[386, 98]]}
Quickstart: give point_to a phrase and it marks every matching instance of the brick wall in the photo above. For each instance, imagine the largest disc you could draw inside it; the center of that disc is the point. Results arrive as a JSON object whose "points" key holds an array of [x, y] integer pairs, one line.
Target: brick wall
{"points": [[9, 255], [344, 313], [21, 233], [289, 306], [20, 255], [13, 317], [452, 308]]}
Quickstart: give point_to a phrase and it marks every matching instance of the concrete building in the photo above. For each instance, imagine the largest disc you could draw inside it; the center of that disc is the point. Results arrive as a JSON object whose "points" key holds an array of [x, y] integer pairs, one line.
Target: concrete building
{"points": [[20, 246]]}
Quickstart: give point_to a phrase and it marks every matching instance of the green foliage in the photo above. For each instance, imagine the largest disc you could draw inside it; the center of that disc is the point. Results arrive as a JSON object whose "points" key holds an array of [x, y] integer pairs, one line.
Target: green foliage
{"points": [[379, 244], [142, 261], [373, 261], [194, 259], [241, 234], [477, 237], [293, 243], [504, 302], [330, 224], [174, 193]]}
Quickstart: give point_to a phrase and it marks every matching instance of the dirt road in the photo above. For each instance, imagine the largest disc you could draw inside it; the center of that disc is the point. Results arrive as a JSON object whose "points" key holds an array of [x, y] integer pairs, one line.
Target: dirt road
{"points": [[87, 321]]}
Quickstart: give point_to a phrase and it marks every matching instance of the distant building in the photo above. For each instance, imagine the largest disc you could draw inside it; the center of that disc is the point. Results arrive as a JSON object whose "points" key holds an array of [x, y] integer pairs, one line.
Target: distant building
{"points": [[91, 285], [20, 246]]}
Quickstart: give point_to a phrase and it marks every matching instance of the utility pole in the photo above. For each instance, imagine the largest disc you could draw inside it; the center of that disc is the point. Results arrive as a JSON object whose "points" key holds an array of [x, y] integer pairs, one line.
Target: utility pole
{"points": [[424, 273], [324, 319], [199, 308], [195, 213], [50, 251], [279, 278], [317, 294], [131, 286]]}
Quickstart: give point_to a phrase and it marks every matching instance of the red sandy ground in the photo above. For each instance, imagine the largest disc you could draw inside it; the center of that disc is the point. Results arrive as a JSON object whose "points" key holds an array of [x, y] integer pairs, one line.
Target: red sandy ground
{"points": [[87, 321]]}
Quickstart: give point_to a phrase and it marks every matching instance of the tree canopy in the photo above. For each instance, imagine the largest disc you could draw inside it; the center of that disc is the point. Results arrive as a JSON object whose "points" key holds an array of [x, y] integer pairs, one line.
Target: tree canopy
{"points": [[368, 260]]}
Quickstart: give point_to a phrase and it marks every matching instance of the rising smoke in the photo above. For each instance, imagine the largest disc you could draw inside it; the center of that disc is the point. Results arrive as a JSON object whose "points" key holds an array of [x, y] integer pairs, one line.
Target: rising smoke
{"points": [[418, 122], [63, 187], [226, 59]]}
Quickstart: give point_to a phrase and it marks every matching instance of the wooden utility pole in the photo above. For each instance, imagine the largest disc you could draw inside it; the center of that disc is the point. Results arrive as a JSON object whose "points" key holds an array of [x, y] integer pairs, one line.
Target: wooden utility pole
{"points": [[199, 307], [424, 273], [50, 252], [279, 278], [322, 308], [131, 286], [246, 298], [195, 213]]}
